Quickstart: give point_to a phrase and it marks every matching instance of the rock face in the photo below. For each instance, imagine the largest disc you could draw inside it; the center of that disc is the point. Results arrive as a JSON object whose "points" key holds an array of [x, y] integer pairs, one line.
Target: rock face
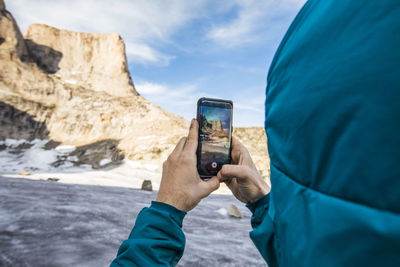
{"points": [[95, 61], [11, 40], [75, 89]]}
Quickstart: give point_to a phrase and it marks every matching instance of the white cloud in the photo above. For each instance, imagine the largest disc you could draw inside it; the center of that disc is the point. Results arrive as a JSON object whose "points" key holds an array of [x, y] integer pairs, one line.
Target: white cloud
{"points": [[255, 20], [142, 53], [148, 88], [144, 25]]}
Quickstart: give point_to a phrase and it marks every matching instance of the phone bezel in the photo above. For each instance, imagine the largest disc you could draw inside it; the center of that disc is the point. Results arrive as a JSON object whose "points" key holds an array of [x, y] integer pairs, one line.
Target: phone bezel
{"points": [[218, 103]]}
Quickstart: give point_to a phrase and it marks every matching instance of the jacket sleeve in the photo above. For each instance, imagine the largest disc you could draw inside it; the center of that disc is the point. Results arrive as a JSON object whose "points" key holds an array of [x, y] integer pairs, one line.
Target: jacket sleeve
{"points": [[263, 235], [156, 239]]}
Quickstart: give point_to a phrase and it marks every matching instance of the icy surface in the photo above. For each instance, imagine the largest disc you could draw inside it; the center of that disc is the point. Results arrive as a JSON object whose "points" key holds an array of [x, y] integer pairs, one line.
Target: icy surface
{"points": [[45, 223], [32, 156]]}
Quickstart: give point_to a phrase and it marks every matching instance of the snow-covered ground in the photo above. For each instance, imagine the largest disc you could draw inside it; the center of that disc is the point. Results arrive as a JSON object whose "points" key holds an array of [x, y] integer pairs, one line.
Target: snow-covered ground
{"points": [[20, 156], [46, 223]]}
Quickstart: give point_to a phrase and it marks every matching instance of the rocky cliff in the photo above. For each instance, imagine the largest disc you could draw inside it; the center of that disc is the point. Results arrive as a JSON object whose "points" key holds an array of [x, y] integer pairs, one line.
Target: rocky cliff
{"points": [[95, 61], [75, 88]]}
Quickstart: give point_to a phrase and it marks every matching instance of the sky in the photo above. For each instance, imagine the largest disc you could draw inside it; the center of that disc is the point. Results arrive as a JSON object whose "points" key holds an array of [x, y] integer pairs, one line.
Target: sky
{"points": [[178, 50]]}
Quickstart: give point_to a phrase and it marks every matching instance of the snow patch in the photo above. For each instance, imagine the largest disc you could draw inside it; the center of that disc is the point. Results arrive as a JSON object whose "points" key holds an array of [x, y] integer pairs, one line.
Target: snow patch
{"points": [[140, 165], [70, 81], [13, 142], [222, 211], [105, 161], [65, 148], [35, 157]]}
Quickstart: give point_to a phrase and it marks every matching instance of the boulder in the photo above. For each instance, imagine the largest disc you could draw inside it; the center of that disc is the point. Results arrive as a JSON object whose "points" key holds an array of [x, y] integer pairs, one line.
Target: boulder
{"points": [[147, 186], [234, 211]]}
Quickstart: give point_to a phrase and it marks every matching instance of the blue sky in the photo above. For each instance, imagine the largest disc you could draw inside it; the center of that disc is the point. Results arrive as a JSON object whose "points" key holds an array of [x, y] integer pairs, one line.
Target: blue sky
{"points": [[179, 51]]}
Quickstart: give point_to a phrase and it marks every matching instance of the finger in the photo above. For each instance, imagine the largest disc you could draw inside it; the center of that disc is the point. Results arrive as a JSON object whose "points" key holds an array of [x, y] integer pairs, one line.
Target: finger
{"points": [[179, 147], [208, 186], [234, 171], [237, 149], [193, 137]]}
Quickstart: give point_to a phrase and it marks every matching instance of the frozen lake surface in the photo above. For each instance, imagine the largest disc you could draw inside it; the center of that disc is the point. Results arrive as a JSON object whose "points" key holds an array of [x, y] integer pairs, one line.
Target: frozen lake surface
{"points": [[46, 223]]}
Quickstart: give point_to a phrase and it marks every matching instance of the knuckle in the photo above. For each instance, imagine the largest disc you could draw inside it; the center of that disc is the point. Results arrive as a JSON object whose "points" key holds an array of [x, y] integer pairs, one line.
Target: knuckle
{"points": [[245, 168], [184, 158], [190, 141], [245, 151], [216, 186], [170, 158], [224, 170]]}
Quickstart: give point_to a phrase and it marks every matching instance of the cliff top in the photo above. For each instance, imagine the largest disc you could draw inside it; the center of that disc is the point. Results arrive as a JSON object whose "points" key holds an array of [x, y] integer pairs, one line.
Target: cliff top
{"points": [[91, 60]]}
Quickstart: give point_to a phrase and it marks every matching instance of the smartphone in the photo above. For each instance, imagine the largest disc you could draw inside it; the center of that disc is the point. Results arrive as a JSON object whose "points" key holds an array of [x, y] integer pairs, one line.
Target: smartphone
{"points": [[215, 135]]}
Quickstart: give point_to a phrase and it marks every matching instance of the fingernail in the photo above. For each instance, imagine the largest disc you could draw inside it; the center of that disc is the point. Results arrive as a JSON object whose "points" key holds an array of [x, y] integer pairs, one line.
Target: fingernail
{"points": [[191, 123]]}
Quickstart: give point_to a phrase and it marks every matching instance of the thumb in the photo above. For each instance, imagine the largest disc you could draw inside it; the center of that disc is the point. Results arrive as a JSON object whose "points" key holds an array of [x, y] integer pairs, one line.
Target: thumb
{"points": [[208, 186], [234, 171]]}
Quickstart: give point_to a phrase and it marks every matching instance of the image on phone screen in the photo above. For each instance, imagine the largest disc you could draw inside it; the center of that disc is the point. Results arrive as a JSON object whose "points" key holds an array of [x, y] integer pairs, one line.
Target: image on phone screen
{"points": [[214, 136]]}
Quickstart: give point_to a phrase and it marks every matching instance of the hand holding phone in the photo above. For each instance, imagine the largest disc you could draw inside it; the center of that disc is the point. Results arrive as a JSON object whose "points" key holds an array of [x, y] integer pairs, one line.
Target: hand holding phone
{"points": [[242, 177], [181, 185]]}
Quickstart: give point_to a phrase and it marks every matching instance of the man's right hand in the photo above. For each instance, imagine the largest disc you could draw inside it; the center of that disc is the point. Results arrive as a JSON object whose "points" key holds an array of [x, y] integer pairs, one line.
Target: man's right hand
{"points": [[242, 177]]}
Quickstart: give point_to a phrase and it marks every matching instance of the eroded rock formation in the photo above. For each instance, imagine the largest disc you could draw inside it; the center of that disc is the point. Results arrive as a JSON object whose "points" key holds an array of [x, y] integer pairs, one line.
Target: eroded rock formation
{"points": [[95, 61]]}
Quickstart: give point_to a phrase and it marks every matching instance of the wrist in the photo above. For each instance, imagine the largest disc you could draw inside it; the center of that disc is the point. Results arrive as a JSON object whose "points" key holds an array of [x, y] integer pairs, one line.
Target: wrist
{"points": [[171, 202], [261, 202], [263, 187], [256, 197]]}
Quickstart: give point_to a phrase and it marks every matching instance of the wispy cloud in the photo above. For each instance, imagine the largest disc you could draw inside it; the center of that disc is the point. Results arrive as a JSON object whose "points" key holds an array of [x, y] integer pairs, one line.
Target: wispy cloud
{"points": [[182, 99], [255, 20], [144, 25], [142, 53], [147, 25]]}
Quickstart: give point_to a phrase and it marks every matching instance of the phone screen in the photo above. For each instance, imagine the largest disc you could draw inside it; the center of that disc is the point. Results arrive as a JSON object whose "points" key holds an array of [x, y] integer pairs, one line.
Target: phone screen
{"points": [[215, 133]]}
